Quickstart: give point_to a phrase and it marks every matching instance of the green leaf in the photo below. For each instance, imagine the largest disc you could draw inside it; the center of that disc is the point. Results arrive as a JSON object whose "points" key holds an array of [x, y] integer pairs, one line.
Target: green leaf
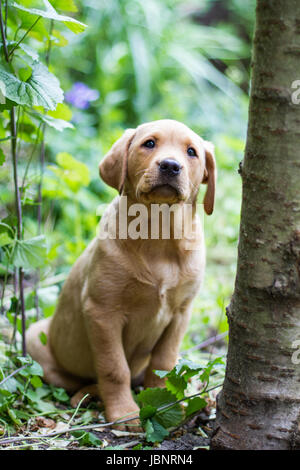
{"points": [[204, 377], [13, 417], [86, 438], [51, 13], [195, 404], [29, 51], [30, 253], [43, 338], [10, 385], [60, 394], [58, 124], [147, 412], [62, 111], [155, 432], [2, 157], [41, 89], [177, 385], [31, 370], [161, 373], [186, 365], [25, 73], [65, 5], [5, 239], [36, 381], [158, 397]]}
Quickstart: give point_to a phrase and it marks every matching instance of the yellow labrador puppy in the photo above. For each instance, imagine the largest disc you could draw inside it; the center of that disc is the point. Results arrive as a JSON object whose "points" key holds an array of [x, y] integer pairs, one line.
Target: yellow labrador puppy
{"points": [[126, 303]]}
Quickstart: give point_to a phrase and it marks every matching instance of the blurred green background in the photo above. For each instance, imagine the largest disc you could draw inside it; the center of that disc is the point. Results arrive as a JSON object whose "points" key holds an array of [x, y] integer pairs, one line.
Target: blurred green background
{"points": [[137, 61]]}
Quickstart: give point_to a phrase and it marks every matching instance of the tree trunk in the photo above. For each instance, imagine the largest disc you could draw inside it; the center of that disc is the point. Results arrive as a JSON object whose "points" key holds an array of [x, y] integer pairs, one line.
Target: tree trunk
{"points": [[259, 406]]}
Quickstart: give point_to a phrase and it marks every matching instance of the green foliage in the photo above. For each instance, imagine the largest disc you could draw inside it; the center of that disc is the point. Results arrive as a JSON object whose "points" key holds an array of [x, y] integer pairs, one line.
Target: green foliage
{"points": [[24, 394], [31, 253], [149, 60], [40, 88], [87, 439], [160, 408]]}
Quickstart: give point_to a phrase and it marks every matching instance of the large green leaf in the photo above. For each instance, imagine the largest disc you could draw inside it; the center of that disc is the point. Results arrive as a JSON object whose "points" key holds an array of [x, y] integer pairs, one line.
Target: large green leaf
{"points": [[158, 397], [58, 124], [195, 404], [51, 13], [31, 253], [41, 89]]}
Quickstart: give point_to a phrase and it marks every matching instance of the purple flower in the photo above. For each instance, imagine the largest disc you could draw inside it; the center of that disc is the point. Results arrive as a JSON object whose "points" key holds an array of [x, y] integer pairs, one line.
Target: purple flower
{"points": [[80, 95]]}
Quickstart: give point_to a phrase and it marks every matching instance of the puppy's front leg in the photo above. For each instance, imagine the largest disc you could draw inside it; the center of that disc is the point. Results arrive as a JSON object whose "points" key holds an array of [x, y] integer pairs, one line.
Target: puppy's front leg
{"points": [[113, 374], [166, 350]]}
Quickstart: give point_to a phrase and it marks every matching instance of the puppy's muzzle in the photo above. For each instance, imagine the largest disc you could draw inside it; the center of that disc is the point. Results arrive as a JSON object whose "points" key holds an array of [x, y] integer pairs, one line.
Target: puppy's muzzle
{"points": [[169, 168]]}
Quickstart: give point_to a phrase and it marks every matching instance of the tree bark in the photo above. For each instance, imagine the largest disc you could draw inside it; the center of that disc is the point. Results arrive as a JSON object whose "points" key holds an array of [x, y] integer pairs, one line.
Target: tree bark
{"points": [[259, 405]]}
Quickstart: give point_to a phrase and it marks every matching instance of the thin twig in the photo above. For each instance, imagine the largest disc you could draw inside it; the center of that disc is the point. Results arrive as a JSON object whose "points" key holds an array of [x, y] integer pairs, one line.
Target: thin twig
{"points": [[23, 37], [205, 343], [14, 373]]}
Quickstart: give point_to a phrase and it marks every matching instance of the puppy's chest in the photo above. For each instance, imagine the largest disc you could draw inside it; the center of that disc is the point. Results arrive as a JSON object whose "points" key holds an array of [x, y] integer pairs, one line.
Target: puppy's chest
{"points": [[161, 294]]}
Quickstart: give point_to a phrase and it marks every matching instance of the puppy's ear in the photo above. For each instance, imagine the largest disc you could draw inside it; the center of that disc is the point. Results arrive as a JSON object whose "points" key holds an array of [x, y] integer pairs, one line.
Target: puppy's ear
{"points": [[209, 178], [113, 167]]}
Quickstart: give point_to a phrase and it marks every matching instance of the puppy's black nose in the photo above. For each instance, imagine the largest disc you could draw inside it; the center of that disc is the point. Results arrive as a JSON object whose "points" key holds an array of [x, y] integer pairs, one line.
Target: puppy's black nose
{"points": [[170, 167]]}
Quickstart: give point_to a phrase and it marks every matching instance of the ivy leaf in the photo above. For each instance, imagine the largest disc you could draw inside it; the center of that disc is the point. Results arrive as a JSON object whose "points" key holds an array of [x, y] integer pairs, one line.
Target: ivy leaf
{"points": [[30, 253], [41, 89], [51, 13]]}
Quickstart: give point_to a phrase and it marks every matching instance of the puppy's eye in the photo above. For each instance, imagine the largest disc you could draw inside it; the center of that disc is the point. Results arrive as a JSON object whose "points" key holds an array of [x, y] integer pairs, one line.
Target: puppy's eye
{"points": [[191, 152], [150, 144]]}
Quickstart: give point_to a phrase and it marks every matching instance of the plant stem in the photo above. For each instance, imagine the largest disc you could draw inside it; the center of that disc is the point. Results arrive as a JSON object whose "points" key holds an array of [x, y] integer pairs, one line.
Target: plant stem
{"points": [[42, 167], [23, 37], [19, 218], [6, 16], [13, 129], [3, 34]]}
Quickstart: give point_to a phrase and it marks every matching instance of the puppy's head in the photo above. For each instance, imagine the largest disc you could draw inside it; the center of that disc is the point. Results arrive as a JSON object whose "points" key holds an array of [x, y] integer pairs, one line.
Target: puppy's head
{"points": [[161, 162]]}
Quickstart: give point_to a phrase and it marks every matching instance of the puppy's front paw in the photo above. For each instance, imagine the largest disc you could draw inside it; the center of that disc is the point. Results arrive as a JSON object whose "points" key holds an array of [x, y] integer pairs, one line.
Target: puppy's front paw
{"points": [[153, 381]]}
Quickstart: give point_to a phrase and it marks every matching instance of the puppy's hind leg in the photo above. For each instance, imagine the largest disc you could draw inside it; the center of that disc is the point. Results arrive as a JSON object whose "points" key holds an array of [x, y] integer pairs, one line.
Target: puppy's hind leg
{"points": [[53, 373], [90, 390]]}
